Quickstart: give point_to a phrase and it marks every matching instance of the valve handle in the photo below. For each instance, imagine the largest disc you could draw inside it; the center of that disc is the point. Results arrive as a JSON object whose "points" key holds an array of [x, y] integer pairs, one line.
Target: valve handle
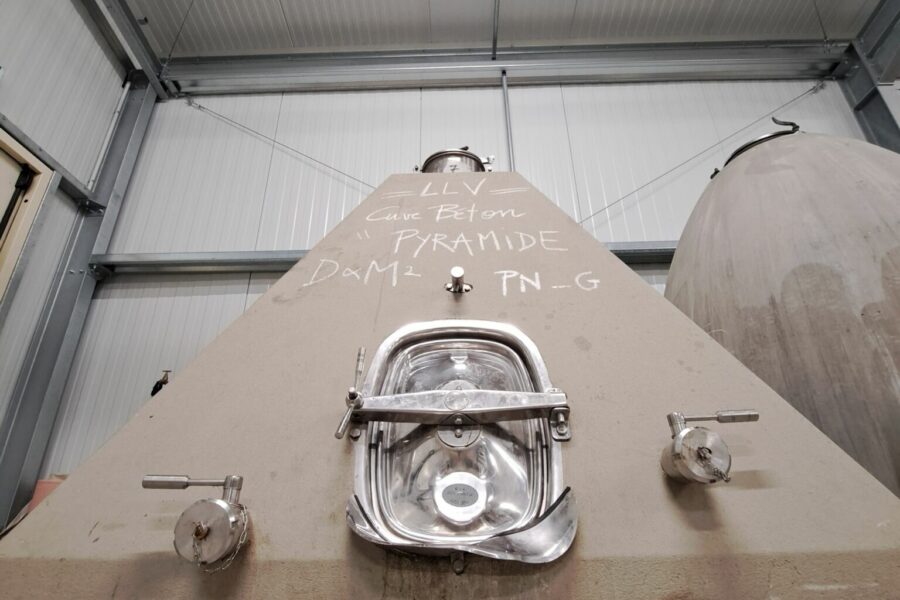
{"points": [[232, 484], [678, 421], [727, 416]]}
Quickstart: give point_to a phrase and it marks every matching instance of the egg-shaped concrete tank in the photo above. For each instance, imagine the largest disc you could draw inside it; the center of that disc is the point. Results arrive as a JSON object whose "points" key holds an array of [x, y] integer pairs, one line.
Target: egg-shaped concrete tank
{"points": [[791, 260]]}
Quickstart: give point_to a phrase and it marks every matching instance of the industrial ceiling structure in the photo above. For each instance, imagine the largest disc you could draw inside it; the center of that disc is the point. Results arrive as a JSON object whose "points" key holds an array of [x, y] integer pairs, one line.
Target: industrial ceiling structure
{"points": [[186, 28], [235, 46]]}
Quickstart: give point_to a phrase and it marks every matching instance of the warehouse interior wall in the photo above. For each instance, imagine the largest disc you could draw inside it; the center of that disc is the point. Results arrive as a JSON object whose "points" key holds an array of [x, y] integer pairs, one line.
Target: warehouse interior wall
{"points": [[62, 95], [891, 95], [235, 174], [278, 171]]}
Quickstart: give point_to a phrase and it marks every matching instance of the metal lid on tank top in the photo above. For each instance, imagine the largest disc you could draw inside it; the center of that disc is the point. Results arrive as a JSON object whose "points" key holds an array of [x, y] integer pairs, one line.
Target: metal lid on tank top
{"points": [[453, 160]]}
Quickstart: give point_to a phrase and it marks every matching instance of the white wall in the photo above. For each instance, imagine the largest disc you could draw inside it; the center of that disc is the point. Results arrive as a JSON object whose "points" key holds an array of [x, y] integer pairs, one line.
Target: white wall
{"points": [[203, 183], [59, 87], [168, 320], [625, 137]]}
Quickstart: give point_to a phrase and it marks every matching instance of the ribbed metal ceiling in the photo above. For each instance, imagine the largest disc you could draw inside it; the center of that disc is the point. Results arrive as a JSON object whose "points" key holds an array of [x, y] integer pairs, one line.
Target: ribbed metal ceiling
{"points": [[228, 27]]}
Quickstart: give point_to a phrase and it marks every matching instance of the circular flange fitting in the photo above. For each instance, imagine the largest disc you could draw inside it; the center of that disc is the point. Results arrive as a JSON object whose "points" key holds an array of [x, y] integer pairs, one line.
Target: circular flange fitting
{"points": [[697, 454], [208, 531]]}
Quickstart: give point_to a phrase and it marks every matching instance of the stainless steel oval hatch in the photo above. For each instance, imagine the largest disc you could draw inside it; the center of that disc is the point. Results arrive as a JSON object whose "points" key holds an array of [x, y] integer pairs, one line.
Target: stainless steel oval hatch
{"points": [[457, 432]]}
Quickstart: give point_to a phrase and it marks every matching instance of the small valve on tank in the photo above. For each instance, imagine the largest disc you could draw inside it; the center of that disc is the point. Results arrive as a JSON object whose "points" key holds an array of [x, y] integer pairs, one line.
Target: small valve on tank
{"points": [[210, 531], [697, 453], [457, 284]]}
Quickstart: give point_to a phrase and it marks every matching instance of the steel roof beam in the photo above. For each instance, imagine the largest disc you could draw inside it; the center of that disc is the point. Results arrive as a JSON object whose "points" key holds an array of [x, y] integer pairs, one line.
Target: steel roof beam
{"points": [[592, 64], [879, 42]]}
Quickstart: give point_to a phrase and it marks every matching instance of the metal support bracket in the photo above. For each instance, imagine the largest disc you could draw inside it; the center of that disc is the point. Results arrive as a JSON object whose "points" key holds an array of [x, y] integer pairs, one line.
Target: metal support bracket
{"points": [[90, 208], [99, 272], [124, 21], [867, 72], [859, 82], [879, 42]]}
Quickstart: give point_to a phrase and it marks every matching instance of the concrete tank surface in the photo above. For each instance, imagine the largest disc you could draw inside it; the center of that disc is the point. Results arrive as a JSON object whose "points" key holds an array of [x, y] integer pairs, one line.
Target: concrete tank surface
{"points": [[799, 519], [791, 261]]}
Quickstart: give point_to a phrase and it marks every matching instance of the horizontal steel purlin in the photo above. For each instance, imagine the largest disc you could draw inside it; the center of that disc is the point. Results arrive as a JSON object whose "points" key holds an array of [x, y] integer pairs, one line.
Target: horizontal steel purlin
{"points": [[258, 261], [576, 64], [279, 261]]}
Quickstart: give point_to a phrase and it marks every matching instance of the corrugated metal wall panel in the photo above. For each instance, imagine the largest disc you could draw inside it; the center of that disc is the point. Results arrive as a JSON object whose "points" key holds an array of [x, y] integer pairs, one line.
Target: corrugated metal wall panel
{"points": [[623, 137], [162, 20], [203, 183], [48, 238], [226, 26], [242, 26], [366, 135], [137, 327], [646, 151], [541, 144], [233, 26], [352, 24], [626, 21], [200, 180], [465, 117], [58, 85], [536, 20], [461, 22]]}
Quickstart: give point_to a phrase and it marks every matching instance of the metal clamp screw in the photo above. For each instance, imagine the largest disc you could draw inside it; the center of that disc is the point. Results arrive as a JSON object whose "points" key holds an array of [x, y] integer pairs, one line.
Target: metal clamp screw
{"points": [[559, 425], [458, 562], [354, 398]]}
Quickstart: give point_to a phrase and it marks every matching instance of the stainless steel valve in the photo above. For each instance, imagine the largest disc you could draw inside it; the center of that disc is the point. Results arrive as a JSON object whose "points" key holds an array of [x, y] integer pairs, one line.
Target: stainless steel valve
{"points": [[696, 453], [212, 530]]}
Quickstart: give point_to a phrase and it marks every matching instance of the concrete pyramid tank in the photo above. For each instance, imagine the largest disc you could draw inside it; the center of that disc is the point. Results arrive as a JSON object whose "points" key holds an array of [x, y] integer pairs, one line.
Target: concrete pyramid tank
{"points": [[488, 400], [791, 260]]}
